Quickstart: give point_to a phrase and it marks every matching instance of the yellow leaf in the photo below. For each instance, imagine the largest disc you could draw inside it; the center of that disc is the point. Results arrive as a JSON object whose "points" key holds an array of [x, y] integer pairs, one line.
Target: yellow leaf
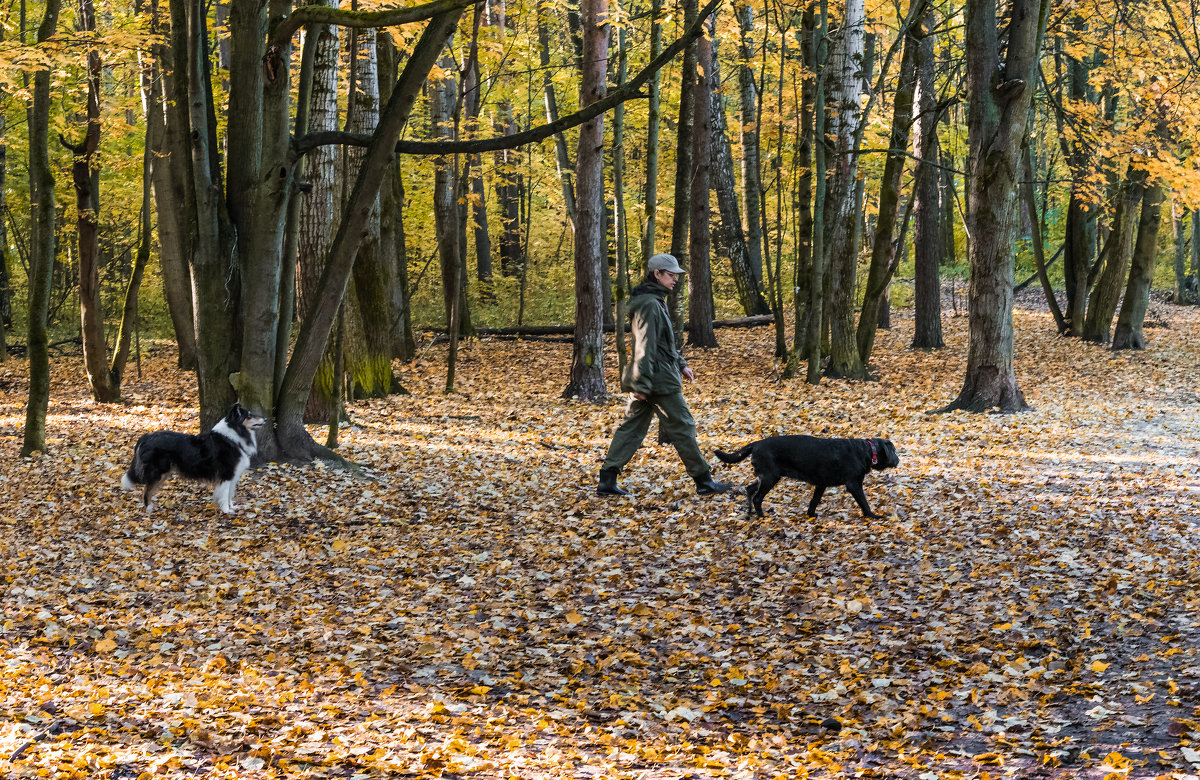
{"points": [[96, 708], [574, 617], [106, 646], [338, 545], [1098, 666]]}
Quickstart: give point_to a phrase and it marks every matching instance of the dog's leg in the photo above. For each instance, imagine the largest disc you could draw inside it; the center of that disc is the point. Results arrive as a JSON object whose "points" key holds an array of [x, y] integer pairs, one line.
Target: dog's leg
{"points": [[765, 483], [753, 486], [223, 497], [150, 492], [856, 489], [818, 491]]}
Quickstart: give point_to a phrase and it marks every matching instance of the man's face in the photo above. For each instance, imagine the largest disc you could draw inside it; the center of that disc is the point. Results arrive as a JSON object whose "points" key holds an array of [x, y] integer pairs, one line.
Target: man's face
{"points": [[666, 279]]}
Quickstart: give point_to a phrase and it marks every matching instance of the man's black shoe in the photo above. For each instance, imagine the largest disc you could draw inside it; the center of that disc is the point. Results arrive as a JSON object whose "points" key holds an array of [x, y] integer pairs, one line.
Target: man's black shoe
{"points": [[705, 486], [608, 484]]}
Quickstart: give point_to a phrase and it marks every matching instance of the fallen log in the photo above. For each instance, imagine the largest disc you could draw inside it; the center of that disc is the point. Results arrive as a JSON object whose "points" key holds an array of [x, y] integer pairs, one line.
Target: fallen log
{"points": [[567, 332]]}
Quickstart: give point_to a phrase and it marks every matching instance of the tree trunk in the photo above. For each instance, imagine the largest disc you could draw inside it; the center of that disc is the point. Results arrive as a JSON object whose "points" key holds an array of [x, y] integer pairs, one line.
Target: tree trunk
{"points": [[730, 236], [997, 118], [474, 175], [1116, 257], [319, 204], [393, 241], [1035, 227], [587, 361], [314, 332], [699, 278], [842, 216], [129, 311], [652, 132], [681, 219], [87, 212], [6, 320], [751, 159], [885, 243], [927, 211], [1128, 333], [620, 219], [41, 247], [369, 363], [1184, 293], [802, 274], [443, 93], [563, 158], [815, 328], [167, 130]]}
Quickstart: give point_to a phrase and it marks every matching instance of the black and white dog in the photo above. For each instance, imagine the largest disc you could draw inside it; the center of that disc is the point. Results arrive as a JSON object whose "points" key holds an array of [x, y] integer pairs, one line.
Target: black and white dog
{"points": [[219, 456], [822, 463]]}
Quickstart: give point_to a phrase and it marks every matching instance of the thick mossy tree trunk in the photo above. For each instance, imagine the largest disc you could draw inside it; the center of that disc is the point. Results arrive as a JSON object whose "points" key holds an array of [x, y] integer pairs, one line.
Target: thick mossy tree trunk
{"points": [[1128, 333], [999, 95], [587, 360], [369, 363], [41, 247], [318, 207]]}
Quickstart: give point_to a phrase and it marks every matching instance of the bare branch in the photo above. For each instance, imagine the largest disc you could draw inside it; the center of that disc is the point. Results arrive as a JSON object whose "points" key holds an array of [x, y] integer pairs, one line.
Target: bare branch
{"points": [[631, 89]]}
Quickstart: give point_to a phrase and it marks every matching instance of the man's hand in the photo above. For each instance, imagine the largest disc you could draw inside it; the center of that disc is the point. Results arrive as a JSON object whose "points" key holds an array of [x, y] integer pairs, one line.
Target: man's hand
{"points": [[689, 373]]}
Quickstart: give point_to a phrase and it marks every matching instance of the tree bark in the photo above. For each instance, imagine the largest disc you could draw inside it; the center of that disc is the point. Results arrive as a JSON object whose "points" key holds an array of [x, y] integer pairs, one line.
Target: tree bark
{"points": [[167, 129], [369, 363], [1128, 333], [41, 247], [587, 360], [1181, 295], [563, 157], [314, 332], [815, 328], [653, 109], [751, 158], [87, 212], [730, 236], [999, 96], [885, 243], [699, 278], [684, 148], [927, 211], [1116, 257], [393, 240], [842, 217], [443, 94], [802, 274]]}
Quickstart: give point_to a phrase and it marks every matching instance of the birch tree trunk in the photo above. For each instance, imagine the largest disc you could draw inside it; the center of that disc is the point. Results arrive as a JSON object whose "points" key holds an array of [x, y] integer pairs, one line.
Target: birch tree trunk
{"points": [[842, 217], [587, 360]]}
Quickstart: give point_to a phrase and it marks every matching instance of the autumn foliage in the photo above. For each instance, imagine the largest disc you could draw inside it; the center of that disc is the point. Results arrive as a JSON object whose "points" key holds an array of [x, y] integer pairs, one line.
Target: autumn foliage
{"points": [[463, 605]]}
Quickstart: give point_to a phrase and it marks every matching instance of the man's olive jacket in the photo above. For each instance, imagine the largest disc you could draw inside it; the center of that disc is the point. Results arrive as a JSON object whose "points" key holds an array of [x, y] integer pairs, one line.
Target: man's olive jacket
{"points": [[656, 365]]}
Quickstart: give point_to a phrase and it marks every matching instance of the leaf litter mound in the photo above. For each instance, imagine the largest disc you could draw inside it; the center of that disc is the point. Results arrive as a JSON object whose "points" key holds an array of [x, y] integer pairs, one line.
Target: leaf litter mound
{"points": [[465, 606]]}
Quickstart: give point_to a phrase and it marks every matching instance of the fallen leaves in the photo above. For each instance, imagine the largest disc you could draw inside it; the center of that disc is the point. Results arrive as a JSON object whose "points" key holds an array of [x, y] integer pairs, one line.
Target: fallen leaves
{"points": [[467, 606]]}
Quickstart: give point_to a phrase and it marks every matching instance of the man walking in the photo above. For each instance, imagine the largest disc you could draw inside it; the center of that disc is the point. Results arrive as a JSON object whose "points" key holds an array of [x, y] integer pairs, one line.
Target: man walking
{"points": [[654, 377]]}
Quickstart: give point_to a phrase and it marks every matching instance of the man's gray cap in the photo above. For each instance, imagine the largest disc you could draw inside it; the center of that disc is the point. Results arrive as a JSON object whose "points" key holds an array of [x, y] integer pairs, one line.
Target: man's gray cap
{"points": [[664, 262]]}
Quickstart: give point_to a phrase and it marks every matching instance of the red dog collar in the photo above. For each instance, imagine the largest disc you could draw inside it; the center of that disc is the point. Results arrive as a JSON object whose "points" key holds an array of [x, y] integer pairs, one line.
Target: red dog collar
{"points": [[874, 453]]}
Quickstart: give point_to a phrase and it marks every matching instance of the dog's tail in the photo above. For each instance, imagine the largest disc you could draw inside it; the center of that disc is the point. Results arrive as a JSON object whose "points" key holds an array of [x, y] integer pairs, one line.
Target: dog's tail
{"points": [[735, 457], [135, 474]]}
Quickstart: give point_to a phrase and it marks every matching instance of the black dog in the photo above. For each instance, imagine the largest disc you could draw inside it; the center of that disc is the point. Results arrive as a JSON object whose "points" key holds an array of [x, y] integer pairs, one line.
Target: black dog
{"points": [[823, 463], [219, 457]]}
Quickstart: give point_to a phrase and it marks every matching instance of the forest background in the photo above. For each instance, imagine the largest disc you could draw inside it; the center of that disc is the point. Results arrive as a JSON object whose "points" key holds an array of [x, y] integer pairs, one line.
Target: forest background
{"points": [[291, 200]]}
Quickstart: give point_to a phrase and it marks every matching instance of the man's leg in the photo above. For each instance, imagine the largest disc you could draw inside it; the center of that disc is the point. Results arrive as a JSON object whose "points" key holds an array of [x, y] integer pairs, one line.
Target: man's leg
{"points": [[681, 429], [629, 435]]}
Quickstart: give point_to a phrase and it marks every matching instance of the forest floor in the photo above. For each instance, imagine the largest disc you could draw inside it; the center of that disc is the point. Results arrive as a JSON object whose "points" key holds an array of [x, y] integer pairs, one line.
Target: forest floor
{"points": [[465, 606]]}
